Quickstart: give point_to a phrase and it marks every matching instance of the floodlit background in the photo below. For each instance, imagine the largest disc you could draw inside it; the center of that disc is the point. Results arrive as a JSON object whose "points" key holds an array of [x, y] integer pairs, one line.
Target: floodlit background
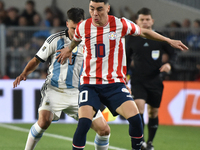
{"points": [[20, 39]]}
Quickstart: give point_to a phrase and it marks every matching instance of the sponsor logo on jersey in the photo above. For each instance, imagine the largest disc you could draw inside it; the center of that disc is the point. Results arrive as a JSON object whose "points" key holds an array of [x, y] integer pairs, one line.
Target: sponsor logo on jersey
{"points": [[112, 35], [125, 90], [146, 44], [155, 54]]}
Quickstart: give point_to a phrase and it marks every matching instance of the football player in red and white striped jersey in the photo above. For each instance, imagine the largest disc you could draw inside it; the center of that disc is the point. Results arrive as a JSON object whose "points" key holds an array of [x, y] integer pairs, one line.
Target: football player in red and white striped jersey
{"points": [[104, 69]]}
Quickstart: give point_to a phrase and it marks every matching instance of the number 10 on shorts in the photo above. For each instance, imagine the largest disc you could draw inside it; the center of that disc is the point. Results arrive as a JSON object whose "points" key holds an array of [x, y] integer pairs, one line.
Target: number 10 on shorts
{"points": [[83, 96]]}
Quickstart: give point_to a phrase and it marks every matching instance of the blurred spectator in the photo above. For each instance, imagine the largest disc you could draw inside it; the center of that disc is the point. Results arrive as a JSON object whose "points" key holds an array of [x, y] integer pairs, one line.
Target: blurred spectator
{"points": [[3, 13], [197, 78], [130, 14], [57, 12], [186, 30], [56, 24], [173, 32], [29, 12], [193, 39], [37, 20], [186, 23], [48, 17], [22, 21], [13, 17]]}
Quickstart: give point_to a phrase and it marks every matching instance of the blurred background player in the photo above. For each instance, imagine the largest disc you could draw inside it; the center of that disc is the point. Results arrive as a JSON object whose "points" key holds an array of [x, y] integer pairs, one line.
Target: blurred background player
{"points": [[144, 59], [104, 72], [60, 90]]}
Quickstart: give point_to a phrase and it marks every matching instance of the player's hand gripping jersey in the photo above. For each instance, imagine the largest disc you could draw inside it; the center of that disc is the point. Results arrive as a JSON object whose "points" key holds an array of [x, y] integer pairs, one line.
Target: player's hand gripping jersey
{"points": [[104, 50], [66, 75]]}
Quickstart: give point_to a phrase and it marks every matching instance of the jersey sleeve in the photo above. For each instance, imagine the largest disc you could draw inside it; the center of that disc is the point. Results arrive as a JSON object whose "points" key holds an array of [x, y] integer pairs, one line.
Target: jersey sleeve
{"points": [[130, 28], [77, 36], [45, 51]]}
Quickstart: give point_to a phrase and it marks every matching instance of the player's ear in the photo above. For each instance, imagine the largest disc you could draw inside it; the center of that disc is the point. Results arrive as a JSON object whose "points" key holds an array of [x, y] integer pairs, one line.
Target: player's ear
{"points": [[108, 10], [136, 21], [152, 21], [66, 23]]}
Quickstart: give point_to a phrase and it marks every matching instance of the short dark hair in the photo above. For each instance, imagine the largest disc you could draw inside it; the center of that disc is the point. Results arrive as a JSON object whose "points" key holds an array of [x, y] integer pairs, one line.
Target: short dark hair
{"points": [[144, 11], [75, 14], [104, 1], [31, 3]]}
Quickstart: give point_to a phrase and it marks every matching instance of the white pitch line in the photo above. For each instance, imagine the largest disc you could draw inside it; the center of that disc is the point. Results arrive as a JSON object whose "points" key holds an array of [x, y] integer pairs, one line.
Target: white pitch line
{"points": [[52, 135]]}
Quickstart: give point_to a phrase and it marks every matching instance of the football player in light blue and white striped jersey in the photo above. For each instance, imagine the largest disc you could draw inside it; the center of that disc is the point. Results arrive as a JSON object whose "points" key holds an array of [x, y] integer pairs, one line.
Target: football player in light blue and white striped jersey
{"points": [[60, 90]]}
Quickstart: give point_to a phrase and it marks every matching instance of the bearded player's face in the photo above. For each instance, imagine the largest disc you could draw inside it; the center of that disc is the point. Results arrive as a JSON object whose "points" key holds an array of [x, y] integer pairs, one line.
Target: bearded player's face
{"points": [[71, 28]]}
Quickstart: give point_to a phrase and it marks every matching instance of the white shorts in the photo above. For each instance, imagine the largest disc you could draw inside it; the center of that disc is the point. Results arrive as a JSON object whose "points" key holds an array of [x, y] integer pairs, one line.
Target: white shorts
{"points": [[57, 100]]}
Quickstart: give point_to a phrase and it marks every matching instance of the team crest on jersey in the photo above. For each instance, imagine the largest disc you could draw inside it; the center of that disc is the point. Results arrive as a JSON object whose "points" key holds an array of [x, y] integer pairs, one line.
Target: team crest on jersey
{"points": [[43, 48], [112, 35], [155, 54], [125, 90]]}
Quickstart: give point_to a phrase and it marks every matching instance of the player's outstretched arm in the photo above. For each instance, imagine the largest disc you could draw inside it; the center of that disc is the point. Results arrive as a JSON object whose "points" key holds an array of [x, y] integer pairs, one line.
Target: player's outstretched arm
{"points": [[30, 67], [66, 52], [149, 34]]}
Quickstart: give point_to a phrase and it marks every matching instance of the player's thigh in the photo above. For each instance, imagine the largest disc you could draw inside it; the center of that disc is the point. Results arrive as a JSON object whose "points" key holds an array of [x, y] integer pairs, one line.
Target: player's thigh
{"points": [[127, 109], [114, 95], [140, 104], [56, 100], [86, 111]]}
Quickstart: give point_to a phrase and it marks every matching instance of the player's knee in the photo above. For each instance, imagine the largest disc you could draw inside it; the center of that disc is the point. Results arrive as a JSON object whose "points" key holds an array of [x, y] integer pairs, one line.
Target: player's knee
{"points": [[135, 126], [153, 113], [44, 122], [104, 130]]}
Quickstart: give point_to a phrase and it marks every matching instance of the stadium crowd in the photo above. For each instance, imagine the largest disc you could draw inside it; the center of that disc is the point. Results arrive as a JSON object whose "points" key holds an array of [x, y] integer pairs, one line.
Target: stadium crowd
{"points": [[26, 31]]}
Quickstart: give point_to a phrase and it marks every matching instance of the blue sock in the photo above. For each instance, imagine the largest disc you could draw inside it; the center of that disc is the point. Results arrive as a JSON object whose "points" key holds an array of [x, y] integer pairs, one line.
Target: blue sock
{"points": [[79, 138], [136, 131]]}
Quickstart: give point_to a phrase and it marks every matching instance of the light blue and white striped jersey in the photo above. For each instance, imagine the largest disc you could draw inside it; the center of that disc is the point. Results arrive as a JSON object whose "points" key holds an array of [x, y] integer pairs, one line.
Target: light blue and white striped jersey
{"points": [[66, 75]]}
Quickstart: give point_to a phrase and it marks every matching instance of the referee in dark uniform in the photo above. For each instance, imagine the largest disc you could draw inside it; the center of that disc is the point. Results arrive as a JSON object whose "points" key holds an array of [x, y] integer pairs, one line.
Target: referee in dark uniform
{"points": [[144, 62]]}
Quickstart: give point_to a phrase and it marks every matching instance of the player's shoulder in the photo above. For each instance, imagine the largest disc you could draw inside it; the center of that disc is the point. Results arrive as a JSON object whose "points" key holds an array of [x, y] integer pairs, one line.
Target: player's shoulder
{"points": [[57, 35]]}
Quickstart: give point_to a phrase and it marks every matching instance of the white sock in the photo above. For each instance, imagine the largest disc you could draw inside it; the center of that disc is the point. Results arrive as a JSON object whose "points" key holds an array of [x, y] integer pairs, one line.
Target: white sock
{"points": [[101, 142], [34, 136]]}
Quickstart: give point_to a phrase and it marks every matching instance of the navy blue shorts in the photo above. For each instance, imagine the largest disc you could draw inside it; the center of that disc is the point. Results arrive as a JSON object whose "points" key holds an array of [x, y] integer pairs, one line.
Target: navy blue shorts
{"points": [[111, 95], [150, 90]]}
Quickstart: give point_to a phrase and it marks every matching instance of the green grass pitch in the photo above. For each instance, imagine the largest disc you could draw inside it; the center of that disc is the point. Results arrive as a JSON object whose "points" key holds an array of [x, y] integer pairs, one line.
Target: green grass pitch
{"points": [[167, 138]]}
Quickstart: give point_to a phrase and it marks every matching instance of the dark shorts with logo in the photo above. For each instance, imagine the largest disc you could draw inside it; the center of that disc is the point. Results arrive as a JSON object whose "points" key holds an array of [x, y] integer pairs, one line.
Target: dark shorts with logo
{"points": [[148, 89], [111, 95]]}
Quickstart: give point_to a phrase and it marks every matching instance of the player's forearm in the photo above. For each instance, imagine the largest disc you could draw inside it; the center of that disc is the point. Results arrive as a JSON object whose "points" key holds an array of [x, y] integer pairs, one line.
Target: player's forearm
{"points": [[31, 66], [73, 44], [150, 34]]}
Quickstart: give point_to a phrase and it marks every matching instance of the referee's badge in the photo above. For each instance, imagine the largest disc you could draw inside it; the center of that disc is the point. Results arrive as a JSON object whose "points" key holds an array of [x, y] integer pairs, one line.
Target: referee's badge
{"points": [[112, 35], [155, 54]]}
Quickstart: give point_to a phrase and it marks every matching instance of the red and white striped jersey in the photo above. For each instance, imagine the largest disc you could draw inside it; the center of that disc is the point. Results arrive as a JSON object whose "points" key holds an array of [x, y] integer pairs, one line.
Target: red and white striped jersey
{"points": [[104, 50]]}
